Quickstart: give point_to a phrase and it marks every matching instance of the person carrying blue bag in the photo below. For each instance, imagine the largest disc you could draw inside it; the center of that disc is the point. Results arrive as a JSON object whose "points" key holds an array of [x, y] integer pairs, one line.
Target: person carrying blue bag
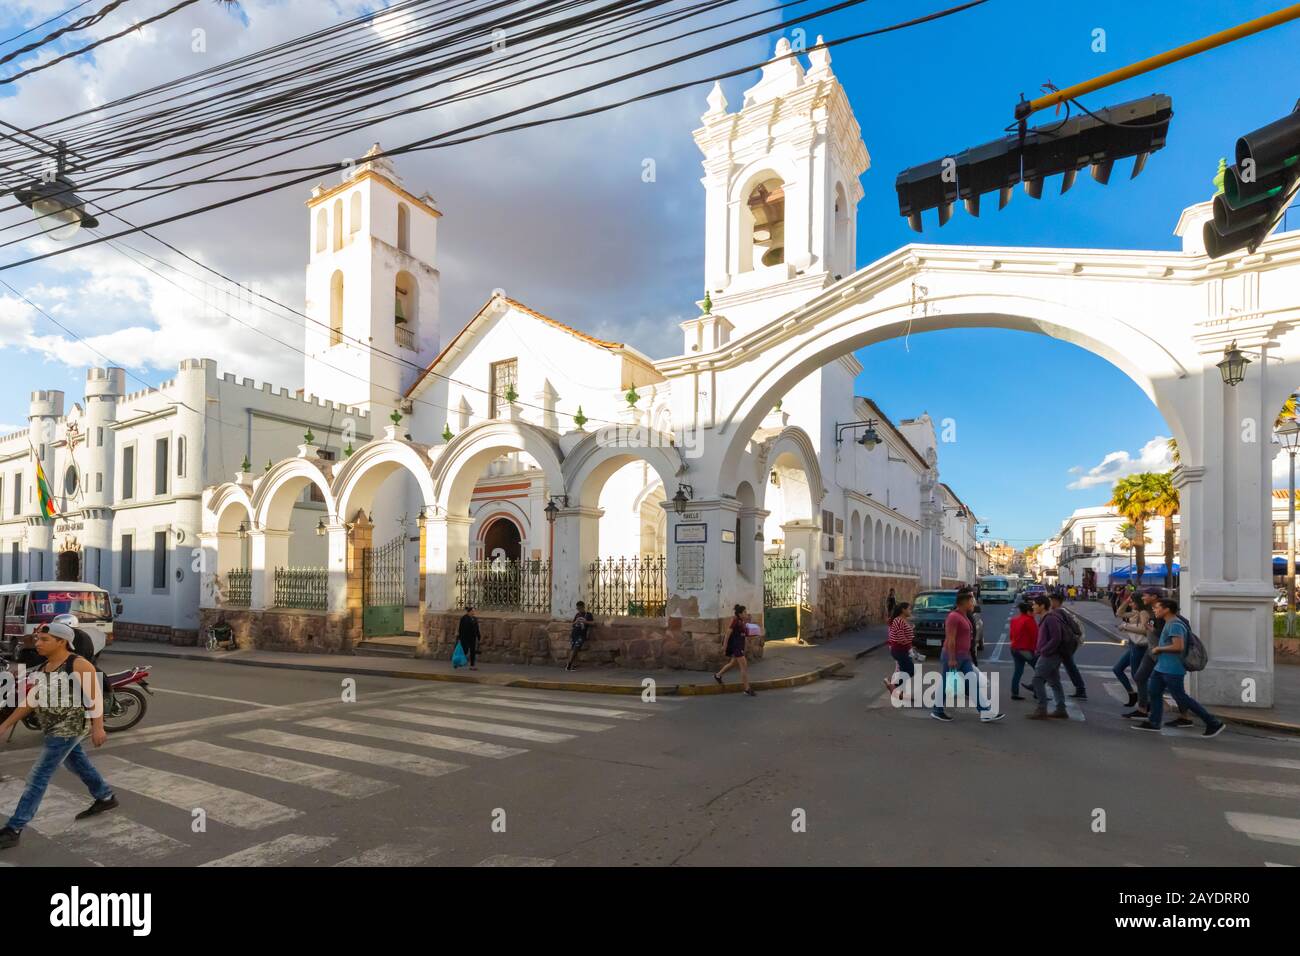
{"points": [[467, 635]]}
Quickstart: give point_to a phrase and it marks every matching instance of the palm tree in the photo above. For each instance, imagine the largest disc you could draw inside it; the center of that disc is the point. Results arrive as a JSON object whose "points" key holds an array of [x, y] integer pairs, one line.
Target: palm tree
{"points": [[1133, 497], [1165, 505]]}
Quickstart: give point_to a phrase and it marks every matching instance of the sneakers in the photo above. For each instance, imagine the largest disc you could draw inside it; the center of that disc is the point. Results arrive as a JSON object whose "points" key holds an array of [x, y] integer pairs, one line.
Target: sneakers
{"points": [[1145, 725], [98, 807], [1059, 715], [1017, 696], [940, 715], [749, 691], [1180, 722], [1135, 714], [1132, 700], [9, 837], [1215, 730], [1080, 695], [989, 718]]}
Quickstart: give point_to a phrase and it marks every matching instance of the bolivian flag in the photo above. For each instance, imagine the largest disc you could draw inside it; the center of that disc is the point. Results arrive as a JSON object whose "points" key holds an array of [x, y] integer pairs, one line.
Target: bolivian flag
{"points": [[48, 509]]}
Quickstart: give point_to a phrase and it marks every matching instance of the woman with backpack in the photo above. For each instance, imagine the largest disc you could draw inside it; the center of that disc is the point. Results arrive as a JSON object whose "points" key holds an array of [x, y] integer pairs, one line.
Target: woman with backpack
{"points": [[1170, 670], [67, 689], [1134, 624]]}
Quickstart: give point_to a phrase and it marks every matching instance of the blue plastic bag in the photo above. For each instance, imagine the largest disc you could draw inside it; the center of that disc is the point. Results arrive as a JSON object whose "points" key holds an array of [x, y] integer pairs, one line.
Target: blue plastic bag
{"points": [[458, 658]]}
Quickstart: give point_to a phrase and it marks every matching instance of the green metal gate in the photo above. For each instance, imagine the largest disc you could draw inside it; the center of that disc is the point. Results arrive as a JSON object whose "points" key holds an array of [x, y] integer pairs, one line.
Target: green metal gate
{"points": [[384, 593], [785, 593]]}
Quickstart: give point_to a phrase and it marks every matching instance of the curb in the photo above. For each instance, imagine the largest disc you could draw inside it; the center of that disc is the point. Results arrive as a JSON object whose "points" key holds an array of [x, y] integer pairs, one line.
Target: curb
{"points": [[527, 683]]}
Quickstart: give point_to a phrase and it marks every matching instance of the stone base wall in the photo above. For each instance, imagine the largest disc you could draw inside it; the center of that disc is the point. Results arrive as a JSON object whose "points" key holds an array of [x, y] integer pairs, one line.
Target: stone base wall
{"points": [[1286, 650], [846, 602], [285, 629], [688, 644], [158, 633]]}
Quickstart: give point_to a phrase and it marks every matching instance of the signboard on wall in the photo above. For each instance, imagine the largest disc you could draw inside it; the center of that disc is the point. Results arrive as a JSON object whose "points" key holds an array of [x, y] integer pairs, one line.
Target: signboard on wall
{"points": [[728, 536], [691, 534], [690, 567]]}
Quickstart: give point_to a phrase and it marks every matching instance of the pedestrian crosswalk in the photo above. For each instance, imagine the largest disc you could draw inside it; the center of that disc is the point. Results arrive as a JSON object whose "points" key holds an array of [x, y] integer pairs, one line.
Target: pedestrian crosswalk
{"points": [[265, 779]]}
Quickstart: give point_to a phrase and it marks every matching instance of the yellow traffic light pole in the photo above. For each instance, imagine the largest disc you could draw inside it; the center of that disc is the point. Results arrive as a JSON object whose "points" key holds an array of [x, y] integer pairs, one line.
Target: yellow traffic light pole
{"points": [[1267, 22]]}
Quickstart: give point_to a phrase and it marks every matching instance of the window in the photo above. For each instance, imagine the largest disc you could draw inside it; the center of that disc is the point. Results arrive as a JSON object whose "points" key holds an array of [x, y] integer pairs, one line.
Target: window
{"points": [[99, 436], [828, 529], [160, 560], [2, 496], [18, 493], [15, 563], [41, 454], [128, 473], [313, 492], [99, 481], [404, 304], [70, 480], [338, 224], [160, 466], [336, 308], [1279, 535], [504, 378], [403, 228], [126, 566], [322, 230], [180, 456], [1089, 537], [354, 224]]}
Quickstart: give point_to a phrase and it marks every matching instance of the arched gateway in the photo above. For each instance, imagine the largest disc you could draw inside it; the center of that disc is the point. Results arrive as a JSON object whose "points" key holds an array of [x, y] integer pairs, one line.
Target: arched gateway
{"points": [[1164, 318]]}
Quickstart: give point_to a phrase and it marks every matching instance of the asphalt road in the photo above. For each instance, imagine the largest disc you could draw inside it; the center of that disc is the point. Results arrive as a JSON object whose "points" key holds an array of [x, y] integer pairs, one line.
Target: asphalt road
{"points": [[281, 770]]}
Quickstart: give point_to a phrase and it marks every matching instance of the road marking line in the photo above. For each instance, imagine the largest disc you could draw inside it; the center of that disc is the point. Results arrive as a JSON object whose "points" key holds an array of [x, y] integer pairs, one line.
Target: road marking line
{"points": [[107, 838], [1285, 830], [232, 807], [338, 782], [502, 859], [468, 710], [472, 726], [1197, 753], [228, 700], [437, 741], [274, 852], [390, 854], [562, 697], [1257, 788], [361, 753], [1115, 690], [556, 708], [1287, 865]]}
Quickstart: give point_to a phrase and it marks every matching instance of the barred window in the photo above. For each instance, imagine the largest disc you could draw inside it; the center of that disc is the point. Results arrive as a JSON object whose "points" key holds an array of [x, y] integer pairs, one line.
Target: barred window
{"points": [[504, 378]]}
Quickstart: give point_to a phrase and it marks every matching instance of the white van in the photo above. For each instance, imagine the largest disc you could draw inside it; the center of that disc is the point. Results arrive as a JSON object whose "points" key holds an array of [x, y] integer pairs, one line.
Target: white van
{"points": [[996, 588], [24, 607]]}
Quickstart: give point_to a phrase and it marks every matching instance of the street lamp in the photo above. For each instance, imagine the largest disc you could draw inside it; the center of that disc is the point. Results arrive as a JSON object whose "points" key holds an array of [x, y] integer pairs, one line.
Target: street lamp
{"points": [[869, 439], [320, 527], [1288, 433], [551, 510], [1233, 365], [684, 494], [54, 202]]}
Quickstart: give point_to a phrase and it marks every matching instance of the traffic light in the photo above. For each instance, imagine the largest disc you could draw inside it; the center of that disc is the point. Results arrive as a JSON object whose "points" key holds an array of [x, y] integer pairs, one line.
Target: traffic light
{"points": [[1096, 139], [1257, 188]]}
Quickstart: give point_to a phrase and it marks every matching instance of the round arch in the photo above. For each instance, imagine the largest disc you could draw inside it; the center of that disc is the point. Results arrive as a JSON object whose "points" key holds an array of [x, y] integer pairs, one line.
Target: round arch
{"points": [[459, 467], [229, 505], [794, 443], [365, 472], [592, 461], [275, 494]]}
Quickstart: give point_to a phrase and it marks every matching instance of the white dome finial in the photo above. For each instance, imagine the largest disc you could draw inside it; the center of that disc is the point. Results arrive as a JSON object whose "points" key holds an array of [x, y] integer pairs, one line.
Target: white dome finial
{"points": [[782, 47], [717, 100]]}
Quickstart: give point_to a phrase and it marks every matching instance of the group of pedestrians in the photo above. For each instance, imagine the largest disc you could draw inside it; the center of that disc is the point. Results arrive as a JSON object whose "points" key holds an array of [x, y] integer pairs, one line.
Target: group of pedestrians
{"points": [[1156, 639]]}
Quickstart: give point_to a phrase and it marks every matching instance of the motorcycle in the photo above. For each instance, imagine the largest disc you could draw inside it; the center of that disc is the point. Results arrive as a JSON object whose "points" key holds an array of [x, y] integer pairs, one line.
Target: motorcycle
{"points": [[124, 704]]}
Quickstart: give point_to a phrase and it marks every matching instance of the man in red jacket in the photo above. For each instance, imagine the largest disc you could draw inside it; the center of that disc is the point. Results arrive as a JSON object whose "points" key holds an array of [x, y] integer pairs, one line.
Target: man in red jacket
{"points": [[1024, 636]]}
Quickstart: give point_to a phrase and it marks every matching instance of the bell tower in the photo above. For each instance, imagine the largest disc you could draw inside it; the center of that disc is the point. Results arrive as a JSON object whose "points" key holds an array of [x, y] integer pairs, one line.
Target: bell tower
{"points": [[372, 287], [781, 189]]}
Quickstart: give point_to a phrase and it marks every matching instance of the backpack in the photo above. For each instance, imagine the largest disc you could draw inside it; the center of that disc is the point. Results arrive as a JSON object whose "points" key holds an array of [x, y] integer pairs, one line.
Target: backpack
{"points": [[1072, 638], [1194, 654]]}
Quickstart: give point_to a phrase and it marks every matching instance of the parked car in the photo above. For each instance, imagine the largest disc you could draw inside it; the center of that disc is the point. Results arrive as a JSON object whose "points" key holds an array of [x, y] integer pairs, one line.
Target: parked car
{"points": [[1031, 592], [929, 612]]}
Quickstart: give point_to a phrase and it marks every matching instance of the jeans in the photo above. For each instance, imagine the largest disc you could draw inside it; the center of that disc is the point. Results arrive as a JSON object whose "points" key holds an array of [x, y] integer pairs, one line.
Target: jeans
{"points": [[904, 661], [57, 750], [1161, 682], [1130, 660], [470, 647], [1072, 669], [964, 666], [1023, 659], [1047, 673]]}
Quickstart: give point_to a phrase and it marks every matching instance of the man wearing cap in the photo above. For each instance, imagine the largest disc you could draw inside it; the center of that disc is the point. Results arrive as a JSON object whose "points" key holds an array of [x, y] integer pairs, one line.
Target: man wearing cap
{"points": [[1143, 674], [66, 701]]}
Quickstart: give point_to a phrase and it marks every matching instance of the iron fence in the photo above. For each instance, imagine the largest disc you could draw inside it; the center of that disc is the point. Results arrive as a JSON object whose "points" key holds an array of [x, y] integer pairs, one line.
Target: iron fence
{"points": [[504, 585], [305, 588], [239, 588], [628, 587], [785, 583]]}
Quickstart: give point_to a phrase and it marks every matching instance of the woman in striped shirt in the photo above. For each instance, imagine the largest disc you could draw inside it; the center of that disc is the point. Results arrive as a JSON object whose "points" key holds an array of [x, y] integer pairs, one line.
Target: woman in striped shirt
{"points": [[900, 643]]}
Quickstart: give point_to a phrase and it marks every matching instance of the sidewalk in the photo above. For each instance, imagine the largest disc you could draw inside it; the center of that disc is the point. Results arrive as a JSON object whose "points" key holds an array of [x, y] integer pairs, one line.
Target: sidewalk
{"points": [[784, 664], [1283, 716]]}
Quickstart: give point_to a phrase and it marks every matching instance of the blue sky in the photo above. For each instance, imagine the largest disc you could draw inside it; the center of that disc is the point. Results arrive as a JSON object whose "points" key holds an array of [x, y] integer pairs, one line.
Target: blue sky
{"points": [[1033, 414]]}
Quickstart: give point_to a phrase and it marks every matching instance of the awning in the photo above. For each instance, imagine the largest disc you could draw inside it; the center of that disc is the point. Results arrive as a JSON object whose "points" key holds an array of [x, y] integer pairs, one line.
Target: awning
{"points": [[1154, 573]]}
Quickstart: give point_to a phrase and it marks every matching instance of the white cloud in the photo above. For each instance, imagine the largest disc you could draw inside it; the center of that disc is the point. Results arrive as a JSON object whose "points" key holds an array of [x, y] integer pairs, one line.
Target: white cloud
{"points": [[1153, 456]]}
